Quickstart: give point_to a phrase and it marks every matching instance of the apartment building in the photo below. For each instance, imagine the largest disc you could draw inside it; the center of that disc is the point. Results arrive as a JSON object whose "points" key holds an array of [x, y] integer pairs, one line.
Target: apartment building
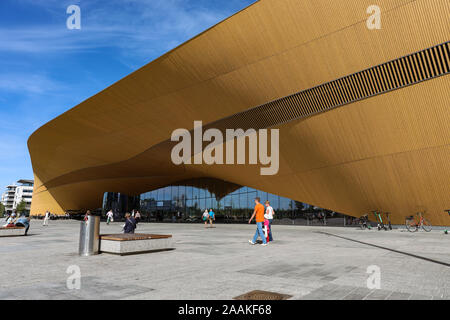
{"points": [[15, 193]]}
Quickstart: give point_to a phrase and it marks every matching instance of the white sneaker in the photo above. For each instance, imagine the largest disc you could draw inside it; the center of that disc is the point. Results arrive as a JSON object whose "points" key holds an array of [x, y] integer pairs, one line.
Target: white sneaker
{"points": [[264, 244], [251, 242]]}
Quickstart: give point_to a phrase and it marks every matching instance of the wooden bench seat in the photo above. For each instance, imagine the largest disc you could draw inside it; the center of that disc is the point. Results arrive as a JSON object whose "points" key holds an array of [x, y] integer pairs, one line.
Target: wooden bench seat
{"points": [[7, 228], [134, 236], [12, 231], [130, 243]]}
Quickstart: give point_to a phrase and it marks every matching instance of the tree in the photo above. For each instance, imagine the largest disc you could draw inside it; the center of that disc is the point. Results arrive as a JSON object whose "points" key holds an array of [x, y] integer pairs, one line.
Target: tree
{"points": [[21, 207], [219, 207], [299, 205], [2, 209]]}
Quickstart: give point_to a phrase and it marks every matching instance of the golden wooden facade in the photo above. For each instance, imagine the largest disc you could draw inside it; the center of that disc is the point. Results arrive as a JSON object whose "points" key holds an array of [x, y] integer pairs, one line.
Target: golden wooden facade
{"points": [[389, 152]]}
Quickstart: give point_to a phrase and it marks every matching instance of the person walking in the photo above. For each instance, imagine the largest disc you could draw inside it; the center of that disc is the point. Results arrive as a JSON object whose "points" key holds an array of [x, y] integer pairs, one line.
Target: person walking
{"points": [[269, 216], [130, 223], [211, 217], [109, 217], [205, 217], [137, 216], [46, 218], [258, 214], [266, 229], [86, 215]]}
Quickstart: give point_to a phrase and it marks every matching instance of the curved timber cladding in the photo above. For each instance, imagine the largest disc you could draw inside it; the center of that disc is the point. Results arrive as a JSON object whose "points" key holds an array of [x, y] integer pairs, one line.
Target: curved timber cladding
{"points": [[396, 74], [363, 114]]}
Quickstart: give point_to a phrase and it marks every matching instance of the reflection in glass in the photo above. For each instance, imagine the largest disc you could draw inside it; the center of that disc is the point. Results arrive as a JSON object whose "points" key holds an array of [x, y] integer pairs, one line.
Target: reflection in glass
{"points": [[202, 193], [230, 202], [235, 201], [273, 199], [189, 192], [227, 201], [202, 205], [251, 199], [195, 193]]}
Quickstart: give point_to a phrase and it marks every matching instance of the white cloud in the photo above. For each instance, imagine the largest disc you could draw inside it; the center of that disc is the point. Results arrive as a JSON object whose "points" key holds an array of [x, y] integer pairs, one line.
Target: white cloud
{"points": [[141, 28], [28, 83]]}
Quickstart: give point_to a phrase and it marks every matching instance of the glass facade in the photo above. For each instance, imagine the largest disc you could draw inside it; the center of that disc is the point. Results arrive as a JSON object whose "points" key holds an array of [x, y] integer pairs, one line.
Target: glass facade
{"points": [[185, 202], [189, 202]]}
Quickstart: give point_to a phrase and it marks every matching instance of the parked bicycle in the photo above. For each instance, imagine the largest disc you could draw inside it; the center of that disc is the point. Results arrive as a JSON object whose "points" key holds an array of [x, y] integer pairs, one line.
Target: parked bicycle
{"points": [[379, 218], [364, 222], [413, 225], [448, 211]]}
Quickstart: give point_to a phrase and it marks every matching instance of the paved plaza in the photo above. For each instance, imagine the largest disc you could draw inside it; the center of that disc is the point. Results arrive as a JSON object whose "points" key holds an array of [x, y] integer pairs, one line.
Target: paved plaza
{"points": [[219, 263]]}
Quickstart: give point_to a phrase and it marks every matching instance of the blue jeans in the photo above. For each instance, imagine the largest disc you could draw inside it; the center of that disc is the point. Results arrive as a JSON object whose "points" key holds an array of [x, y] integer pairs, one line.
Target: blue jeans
{"points": [[270, 229], [259, 232]]}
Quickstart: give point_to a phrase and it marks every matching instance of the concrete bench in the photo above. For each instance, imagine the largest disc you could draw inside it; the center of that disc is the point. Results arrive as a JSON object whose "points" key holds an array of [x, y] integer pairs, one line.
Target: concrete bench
{"points": [[130, 243], [12, 231]]}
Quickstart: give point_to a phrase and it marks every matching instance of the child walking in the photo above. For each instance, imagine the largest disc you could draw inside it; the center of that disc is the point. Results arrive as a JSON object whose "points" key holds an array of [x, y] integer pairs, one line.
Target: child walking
{"points": [[266, 229]]}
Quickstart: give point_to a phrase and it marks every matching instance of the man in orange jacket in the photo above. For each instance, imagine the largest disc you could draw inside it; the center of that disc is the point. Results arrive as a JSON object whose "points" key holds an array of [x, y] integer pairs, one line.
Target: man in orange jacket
{"points": [[258, 214]]}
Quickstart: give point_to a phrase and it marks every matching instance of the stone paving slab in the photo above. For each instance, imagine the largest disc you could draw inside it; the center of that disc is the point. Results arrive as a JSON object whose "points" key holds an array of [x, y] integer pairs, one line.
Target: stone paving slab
{"points": [[219, 263]]}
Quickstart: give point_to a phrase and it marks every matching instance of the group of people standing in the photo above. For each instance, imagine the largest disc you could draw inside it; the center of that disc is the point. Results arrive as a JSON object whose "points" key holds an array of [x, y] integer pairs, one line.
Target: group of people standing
{"points": [[208, 216], [264, 218]]}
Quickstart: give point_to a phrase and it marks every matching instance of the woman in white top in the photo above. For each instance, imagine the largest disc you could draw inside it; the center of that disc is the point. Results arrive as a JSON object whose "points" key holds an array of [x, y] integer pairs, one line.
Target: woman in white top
{"points": [[269, 216], [205, 217], [46, 218], [109, 217]]}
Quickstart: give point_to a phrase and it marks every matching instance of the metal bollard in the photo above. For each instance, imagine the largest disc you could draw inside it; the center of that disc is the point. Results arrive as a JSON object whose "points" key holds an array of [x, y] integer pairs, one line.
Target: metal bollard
{"points": [[89, 236]]}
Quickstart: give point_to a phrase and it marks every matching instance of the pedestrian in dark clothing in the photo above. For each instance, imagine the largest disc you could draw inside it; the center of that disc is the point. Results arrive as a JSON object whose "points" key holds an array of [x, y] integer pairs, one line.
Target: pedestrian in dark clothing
{"points": [[130, 224]]}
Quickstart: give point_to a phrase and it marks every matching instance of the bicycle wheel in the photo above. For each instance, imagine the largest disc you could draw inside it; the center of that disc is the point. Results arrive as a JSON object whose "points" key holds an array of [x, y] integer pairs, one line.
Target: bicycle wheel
{"points": [[411, 225], [426, 225]]}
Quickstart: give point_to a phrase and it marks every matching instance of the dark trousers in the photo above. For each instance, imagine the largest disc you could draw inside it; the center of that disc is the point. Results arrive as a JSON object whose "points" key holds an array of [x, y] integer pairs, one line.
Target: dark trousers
{"points": [[270, 229], [22, 225]]}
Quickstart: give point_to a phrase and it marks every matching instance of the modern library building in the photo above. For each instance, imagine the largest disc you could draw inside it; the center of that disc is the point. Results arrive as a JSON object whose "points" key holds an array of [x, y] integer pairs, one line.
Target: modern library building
{"points": [[360, 110]]}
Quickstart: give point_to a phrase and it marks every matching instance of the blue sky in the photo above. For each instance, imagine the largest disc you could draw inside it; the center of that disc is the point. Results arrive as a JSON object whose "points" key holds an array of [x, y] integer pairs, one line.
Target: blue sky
{"points": [[46, 69]]}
